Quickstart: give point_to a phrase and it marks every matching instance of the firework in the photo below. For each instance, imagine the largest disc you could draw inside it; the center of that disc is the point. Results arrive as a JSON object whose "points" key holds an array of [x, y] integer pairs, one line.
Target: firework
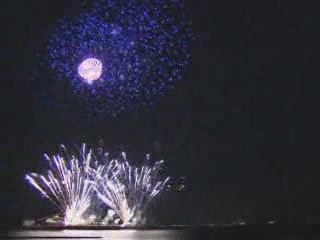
{"points": [[68, 183], [78, 183], [139, 49], [129, 192], [90, 69]]}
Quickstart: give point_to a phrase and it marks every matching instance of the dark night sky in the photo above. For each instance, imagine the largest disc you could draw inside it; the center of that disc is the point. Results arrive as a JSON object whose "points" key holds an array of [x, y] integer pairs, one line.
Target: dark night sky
{"points": [[242, 125]]}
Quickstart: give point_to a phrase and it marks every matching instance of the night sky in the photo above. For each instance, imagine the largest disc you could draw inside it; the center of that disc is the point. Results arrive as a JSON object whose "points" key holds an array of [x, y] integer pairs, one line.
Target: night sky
{"points": [[242, 126]]}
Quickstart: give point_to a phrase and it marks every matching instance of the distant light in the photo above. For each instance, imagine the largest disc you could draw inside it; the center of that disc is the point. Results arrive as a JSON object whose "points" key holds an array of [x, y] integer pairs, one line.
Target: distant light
{"points": [[90, 69]]}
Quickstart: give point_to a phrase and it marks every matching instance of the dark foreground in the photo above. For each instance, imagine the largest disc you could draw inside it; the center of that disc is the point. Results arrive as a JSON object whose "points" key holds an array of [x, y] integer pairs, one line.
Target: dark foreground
{"points": [[226, 232]]}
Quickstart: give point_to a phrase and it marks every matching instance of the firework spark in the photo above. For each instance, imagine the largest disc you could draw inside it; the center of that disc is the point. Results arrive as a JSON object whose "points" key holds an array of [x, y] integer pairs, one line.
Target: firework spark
{"points": [[143, 47], [67, 183], [130, 191], [75, 184]]}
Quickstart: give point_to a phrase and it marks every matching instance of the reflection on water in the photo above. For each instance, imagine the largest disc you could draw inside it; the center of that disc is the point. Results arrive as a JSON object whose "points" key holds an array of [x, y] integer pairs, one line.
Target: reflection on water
{"points": [[101, 234], [216, 232]]}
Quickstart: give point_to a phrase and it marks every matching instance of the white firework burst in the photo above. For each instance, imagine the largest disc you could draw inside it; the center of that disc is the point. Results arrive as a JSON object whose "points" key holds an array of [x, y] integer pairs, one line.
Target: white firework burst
{"points": [[130, 190], [79, 182], [68, 183]]}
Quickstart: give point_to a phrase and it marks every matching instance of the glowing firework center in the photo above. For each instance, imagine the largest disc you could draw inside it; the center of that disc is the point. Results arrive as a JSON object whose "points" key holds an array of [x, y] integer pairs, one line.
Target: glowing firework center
{"points": [[90, 69], [139, 51]]}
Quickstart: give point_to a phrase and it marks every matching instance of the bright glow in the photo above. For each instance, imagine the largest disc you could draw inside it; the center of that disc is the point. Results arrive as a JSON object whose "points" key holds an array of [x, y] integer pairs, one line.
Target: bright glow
{"points": [[76, 182], [144, 47], [129, 191], [90, 69], [67, 183]]}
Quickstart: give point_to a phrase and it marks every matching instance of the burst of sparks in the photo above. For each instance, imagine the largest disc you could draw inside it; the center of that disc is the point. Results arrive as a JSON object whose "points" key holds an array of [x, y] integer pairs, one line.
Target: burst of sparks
{"points": [[67, 184], [129, 192], [143, 45], [72, 182]]}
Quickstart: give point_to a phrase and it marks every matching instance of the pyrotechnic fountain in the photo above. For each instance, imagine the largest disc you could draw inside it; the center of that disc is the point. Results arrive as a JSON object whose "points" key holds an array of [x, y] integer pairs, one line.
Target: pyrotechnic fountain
{"points": [[75, 182], [129, 192]]}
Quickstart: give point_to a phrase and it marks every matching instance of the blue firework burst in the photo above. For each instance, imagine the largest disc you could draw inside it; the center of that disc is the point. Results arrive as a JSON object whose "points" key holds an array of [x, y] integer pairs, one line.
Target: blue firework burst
{"points": [[119, 54]]}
